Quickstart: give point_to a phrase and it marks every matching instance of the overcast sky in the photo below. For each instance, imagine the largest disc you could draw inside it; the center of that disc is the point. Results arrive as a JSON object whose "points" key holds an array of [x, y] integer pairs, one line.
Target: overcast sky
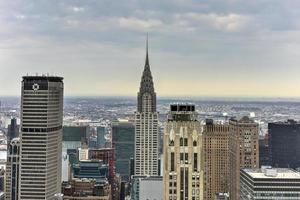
{"points": [[197, 48]]}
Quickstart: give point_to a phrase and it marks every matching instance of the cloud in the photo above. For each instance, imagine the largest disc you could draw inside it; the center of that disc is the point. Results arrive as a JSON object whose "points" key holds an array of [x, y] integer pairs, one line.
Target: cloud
{"points": [[133, 23], [228, 23], [78, 9]]}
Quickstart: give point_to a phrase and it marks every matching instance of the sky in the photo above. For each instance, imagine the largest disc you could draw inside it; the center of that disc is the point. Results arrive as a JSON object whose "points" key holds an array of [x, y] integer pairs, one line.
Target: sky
{"points": [[196, 47]]}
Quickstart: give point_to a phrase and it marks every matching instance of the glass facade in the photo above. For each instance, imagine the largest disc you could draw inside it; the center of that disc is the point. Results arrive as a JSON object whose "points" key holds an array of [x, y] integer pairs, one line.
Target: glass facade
{"points": [[284, 144], [123, 143]]}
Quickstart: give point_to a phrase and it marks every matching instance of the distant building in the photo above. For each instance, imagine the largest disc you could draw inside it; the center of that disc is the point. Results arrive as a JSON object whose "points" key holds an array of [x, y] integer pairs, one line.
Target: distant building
{"points": [[41, 137], [91, 169], [123, 143], [101, 137], [215, 152], [74, 136], [12, 130], [65, 167], [284, 144], [12, 169], [183, 159], [145, 187], [87, 189], [268, 183], [107, 156], [83, 154], [243, 151], [264, 151], [146, 126]]}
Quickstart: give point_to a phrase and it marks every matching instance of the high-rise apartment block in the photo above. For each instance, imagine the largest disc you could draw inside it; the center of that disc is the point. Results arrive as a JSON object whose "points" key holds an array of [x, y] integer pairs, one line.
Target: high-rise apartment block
{"points": [[284, 140], [243, 151], [146, 126], [215, 152], [41, 137], [12, 170], [268, 183], [183, 159]]}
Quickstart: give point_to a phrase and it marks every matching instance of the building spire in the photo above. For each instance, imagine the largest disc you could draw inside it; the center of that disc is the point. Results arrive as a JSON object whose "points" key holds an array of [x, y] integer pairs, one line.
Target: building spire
{"points": [[147, 56]]}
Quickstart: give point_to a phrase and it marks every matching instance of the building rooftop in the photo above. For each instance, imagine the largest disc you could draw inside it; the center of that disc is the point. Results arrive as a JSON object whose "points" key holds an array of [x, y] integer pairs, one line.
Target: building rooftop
{"points": [[43, 77], [272, 173]]}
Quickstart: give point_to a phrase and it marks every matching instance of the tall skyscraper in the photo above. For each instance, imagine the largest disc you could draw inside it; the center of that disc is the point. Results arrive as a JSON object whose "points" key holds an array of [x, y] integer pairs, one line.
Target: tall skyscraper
{"points": [[284, 143], [41, 137], [215, 152], [146, 126], [183, 160], [12, 170], [243, 151], [123, 143]]}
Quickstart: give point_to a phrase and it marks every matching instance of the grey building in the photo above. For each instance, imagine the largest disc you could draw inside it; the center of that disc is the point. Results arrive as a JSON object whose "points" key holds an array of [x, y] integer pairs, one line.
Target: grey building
{"points": [[146, 126], [145, 187], [100, 137], [12, 130], [284, 140], [12, 170], [268, 183], [74, 136], [41, 137], [123, 143]]}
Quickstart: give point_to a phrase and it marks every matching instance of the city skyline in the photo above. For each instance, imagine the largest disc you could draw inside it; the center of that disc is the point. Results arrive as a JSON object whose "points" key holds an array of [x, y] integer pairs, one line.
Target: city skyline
{"points": [[231, 48]]}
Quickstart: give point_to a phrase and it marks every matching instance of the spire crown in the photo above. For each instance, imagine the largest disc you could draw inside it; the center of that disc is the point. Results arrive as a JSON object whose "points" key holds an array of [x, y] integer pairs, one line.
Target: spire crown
{"points": [[147, 56]]}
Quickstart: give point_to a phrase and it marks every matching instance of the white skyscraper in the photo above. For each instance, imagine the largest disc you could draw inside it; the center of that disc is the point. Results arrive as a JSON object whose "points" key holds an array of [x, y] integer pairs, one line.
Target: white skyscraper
{"points": [[41, 137], [146, 126]]}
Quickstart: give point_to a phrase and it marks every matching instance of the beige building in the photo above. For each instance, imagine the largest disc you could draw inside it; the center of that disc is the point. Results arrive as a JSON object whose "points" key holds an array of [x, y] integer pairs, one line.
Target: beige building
{"points": [[215, 151], [183, 164], [41, 137], [243, 151]]}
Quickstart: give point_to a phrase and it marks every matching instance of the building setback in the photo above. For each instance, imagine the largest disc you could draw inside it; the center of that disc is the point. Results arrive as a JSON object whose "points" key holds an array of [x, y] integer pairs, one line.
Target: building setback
{"points": [[41, 137], [268, 183], [183, 160], [243, 151], [146, 126], [215, 152], [284, 144]]}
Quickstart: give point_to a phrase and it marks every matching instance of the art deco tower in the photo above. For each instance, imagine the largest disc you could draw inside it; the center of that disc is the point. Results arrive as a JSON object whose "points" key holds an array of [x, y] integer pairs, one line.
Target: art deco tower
{"points": [[41, 137], [183, 160], [146, 126]]}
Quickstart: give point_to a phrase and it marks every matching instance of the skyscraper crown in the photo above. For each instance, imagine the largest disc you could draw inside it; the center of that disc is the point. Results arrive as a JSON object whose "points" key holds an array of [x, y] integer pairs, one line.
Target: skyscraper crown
{"points": [[147, 88]]}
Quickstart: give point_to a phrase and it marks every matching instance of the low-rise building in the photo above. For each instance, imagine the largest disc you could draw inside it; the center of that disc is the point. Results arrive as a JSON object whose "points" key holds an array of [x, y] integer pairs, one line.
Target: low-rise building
{"points": [[269, 183]]}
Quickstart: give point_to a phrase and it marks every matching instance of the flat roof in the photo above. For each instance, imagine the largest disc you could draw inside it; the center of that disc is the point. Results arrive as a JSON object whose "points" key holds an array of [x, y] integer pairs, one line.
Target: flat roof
{"points": [[47, 78], [281, 173]]}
